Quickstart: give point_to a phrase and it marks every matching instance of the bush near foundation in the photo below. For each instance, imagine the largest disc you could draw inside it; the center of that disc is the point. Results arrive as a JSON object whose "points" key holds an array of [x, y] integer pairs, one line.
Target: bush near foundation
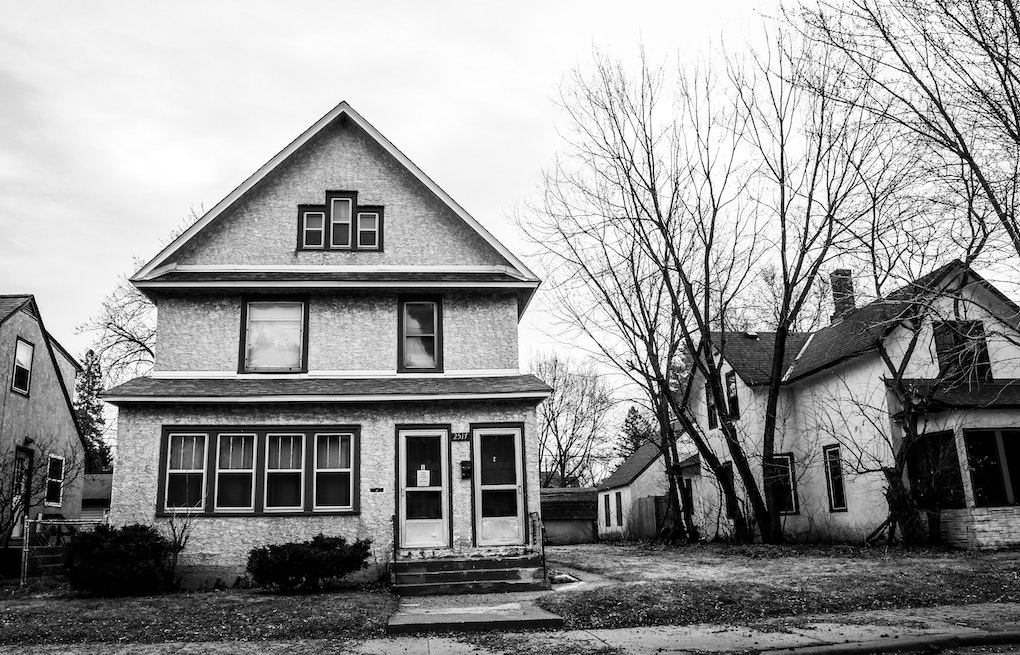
{"points": [[307, 565], [132, 560]]}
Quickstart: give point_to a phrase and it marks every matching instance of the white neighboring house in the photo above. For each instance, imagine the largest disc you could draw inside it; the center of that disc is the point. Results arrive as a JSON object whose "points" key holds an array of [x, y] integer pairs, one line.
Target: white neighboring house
{"points": [[641, 475], [839, 413]]}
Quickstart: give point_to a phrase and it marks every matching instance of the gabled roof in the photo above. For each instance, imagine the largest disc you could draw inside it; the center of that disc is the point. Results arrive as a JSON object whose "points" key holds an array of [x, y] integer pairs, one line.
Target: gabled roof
{"points": [[340, 111], [1000, 394], [12, 303], [633, 466], [750, 353], [305, 389]]}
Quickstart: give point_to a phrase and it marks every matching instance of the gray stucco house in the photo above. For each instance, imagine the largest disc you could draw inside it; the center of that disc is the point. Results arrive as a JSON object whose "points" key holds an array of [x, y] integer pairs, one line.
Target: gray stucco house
{"points": [[41, 448], [337, 352]]}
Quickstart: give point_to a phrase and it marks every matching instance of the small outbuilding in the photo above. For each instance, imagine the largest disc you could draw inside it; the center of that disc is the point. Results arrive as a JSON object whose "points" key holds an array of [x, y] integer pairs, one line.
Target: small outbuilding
{"points": [[569, 515], [622, 496]]}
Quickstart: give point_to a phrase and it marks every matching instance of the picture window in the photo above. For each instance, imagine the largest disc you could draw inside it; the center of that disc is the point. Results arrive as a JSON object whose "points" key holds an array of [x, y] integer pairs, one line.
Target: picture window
{"points": [[274, 336]]}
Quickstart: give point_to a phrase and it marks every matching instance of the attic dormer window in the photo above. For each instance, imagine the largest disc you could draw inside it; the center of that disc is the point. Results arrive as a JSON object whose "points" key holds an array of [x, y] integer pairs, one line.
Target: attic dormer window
{"points": [[340, 224]]}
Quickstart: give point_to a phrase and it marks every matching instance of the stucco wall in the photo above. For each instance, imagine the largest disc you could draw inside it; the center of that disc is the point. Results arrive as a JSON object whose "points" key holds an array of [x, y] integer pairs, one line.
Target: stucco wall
{"points": [[223, 543], [262, 229], [346, 331], [43, 416]]}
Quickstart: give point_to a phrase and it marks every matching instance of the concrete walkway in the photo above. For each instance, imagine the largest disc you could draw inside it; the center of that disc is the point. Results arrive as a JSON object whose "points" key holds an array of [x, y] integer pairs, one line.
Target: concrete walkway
{"points": [[859, 632]]}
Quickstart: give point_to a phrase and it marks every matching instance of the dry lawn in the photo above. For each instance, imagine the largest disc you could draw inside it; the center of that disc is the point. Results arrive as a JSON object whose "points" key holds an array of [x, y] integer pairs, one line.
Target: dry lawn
{"points": [[744, 584]]}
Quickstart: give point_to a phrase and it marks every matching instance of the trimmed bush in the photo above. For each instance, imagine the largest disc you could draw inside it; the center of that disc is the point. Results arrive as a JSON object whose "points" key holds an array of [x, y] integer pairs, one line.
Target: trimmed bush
{"points": [[130, 561], [307, 565]]}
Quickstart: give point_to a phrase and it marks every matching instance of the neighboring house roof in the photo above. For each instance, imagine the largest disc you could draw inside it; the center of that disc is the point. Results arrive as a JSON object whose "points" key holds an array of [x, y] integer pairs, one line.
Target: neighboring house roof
{"points": [[148, 389], [1000, 394], [63, 351], [343, 110], [750, 353], [566, 504], [632, 467], [12, 303]]}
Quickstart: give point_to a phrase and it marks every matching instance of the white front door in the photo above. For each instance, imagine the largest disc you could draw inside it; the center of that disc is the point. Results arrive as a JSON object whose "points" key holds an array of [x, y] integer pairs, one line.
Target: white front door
{"points": [[424, 500], [499, 486]]}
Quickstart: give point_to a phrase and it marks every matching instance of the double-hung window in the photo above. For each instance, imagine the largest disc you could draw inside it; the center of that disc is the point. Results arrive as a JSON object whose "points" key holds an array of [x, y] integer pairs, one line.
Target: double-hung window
{"points": [[185, 476], [21, 379], [713, 418], [340, 224], [341, 211], [421, 346], [313, 229], [732, 400], [285, 472], [834, 478], [780, 469], [334, 476], [609, 511], [54, 480], [619, 508], [275, 333], [370, 229], [235, 472]]}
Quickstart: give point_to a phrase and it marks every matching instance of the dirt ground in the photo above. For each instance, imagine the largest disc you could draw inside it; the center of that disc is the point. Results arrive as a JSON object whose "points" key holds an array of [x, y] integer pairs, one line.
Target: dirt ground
{"points": [[760, 564]]}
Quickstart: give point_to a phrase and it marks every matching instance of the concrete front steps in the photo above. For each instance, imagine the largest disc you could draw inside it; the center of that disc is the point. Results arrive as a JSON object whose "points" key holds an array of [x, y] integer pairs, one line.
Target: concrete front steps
{"points": [[469, 575]]}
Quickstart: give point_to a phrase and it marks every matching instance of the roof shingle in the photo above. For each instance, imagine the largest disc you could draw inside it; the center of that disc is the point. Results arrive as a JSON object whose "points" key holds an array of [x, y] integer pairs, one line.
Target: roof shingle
{"points": [[751, 356]]}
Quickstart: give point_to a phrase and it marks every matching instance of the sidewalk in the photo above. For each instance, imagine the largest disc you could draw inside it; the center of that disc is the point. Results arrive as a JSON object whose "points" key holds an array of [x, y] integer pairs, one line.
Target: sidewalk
{"points": [[859, 632]]}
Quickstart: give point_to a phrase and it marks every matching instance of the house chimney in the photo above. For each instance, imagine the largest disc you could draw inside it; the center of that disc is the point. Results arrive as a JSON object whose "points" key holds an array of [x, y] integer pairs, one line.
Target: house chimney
{"points": [[842, 292]]}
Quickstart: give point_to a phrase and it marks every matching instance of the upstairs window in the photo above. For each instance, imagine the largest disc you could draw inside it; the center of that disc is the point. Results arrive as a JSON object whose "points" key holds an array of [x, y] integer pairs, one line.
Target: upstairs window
{"points": [[340, 212], [370, 229], [962, 351], [22, 378], [54, 480], [274, 337], [340, 223], [713, 418], [313, 229], [732, 401], [421, 345], [780, 468]]}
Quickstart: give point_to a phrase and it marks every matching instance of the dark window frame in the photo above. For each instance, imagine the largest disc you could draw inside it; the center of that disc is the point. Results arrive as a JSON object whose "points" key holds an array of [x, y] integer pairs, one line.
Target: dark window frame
{"points": [[1006, 475], [252, 473], [713, 415], [726, 469], [732, 397], [207, 507], [243, 340], [792, 475], [402, 301], [961, 348], [619, 508], [326, 209], [609, 510], [14, 367], [829, 484], [50, 458]]}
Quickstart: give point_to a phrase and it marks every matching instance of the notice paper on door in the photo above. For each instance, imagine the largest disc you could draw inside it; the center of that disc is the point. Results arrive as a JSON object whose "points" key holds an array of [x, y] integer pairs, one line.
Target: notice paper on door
{"points": [[424, 477]]}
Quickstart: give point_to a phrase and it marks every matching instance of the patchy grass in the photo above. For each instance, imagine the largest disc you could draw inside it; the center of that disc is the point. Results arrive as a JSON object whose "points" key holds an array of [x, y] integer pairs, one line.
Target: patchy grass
{"points": [[236, 615], [746, 584]]}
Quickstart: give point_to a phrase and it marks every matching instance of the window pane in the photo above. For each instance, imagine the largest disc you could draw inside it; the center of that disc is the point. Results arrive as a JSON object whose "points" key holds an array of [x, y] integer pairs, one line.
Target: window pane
{"points": [[184, 490], [985, 470], [424, 504], [313, 238], [498, 465], [933, 469], [333, 489], [423, 452], [499, 503], [53, 491], [314, 221], [23, 355], [333, 451], [1011, 447], [619, 508], [56, 469], [419, 318], [186, 452], [781, 470], [237, 452], [234, 490], [420, 352], [274, 335], [341, 222], [284, 452], [283, 490], [367, 221], [367, 239], [834, 473], [21, 376]]}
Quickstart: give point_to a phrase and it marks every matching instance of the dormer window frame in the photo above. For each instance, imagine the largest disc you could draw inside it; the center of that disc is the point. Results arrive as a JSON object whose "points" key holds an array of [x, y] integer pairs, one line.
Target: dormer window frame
{"points": [[337, 225]]}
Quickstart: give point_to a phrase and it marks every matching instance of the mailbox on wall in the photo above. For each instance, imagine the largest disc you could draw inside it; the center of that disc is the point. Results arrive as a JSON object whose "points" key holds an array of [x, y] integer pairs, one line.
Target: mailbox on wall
{"points": [[465, 469]]}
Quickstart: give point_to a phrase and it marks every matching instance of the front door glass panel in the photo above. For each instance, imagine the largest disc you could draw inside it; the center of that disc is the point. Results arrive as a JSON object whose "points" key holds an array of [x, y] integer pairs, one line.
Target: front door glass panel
{"points": [[423, 489], [499, 486]]}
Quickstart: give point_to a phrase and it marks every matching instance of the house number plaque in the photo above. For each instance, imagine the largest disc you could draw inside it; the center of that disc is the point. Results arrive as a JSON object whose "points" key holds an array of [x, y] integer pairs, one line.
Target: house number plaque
{"points": [[461, 436]]}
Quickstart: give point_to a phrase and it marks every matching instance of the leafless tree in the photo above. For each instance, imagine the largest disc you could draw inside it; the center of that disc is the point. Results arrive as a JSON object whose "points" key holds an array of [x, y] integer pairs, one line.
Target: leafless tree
{"points": [[948, 73], [572, 422]]}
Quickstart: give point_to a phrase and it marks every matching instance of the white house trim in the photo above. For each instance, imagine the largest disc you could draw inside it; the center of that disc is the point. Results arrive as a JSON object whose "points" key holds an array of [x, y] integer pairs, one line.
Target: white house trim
{"points": [[326, 398], [343, 109], [354, 284], [349, 374]]}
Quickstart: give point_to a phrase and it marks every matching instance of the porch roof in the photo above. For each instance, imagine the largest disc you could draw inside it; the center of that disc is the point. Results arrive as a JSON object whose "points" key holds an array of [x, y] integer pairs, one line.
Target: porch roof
{"points": [[326, 389], [1000, 394]]}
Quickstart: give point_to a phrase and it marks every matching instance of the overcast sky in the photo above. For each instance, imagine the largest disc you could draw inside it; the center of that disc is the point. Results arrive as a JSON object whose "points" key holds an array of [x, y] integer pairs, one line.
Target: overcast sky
{"points": [[118, 118]]}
